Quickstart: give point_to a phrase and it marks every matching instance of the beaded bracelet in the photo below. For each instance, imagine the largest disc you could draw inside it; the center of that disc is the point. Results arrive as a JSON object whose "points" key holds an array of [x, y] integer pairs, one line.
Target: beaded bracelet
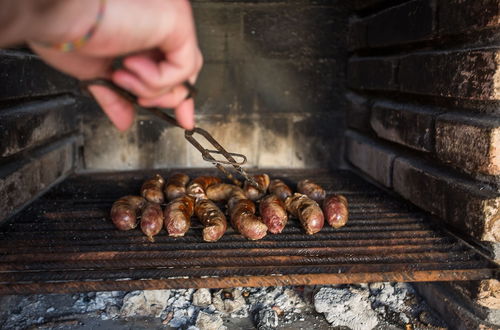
{"points": [[69, 46]]}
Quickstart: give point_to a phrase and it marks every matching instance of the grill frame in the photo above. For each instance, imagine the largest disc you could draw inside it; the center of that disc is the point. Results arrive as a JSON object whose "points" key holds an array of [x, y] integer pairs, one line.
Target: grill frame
{"points": [[65, 242]]}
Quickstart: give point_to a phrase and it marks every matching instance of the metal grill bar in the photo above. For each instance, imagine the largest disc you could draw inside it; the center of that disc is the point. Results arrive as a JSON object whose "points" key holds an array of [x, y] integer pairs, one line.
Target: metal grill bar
{"points": [[64, 242]]}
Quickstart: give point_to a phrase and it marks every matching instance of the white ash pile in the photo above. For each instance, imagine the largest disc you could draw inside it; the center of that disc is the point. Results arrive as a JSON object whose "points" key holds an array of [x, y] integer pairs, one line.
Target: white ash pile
{"points": [[375, 306], [267, 306]]}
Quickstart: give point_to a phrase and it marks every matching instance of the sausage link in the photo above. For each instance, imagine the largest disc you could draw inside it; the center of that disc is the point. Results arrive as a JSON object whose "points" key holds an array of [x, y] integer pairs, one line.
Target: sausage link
{"points": [[273, 213], [176, 186], [336, 210], [152, 189], [125, 211], [178, 215], [220, 191], [252, 192], [311, 190], [198, 187], [307, 211], [243, 218], [212, 219], [151, 220], [280, 189]]}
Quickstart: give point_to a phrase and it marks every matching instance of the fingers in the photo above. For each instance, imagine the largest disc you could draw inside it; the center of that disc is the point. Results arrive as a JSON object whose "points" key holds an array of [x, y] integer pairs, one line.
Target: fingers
{"points": [[184, 113], [119, 111], [148, 78], [144, 77], [184, 108]]}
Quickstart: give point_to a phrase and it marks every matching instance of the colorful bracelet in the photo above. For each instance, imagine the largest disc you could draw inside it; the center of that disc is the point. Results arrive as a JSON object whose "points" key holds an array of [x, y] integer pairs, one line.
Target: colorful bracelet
{"points": [[69, 46]]}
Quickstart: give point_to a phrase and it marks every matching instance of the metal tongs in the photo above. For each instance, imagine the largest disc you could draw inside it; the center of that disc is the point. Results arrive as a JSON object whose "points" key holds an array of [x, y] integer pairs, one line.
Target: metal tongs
{"points": [[206, 153]]}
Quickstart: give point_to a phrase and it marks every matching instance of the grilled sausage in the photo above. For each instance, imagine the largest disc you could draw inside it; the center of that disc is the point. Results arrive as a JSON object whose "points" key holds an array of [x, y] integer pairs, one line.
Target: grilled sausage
{"points": [[237, 194], [220, 191], [273, 212], [336, 210], [178, 215], [198, 187], [151, 220], [176, 186], [280, 189], [311, 190], [124, 211], [245, 221], [252, 192], [243, 218], [307, 211], [152, 189], [212, 218]]}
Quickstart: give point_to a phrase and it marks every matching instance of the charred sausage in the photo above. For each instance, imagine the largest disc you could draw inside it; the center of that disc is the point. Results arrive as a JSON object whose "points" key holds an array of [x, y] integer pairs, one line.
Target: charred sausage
{"points": [[273, 212], [220, 191], [307, 211], [212, 219], [124, 211], [243, 218], [254, 193], [151, 220], [178, 215], [280, 189], [311, 190], [198, 187], [176, 186], [336, 210], [152, 189]]}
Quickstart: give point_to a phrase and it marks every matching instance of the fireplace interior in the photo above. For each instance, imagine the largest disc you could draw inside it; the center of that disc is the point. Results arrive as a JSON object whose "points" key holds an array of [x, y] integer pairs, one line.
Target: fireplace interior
{"points": [[393, 103]]}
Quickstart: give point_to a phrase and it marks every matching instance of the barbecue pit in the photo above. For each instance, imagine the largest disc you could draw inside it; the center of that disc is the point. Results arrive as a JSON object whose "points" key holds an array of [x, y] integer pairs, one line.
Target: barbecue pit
{"points": [[393, 103]]}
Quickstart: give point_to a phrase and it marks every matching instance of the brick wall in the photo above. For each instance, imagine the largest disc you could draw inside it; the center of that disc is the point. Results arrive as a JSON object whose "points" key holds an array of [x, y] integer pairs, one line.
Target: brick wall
{"points": [[272, 87], [38, 129], [424, 120]]}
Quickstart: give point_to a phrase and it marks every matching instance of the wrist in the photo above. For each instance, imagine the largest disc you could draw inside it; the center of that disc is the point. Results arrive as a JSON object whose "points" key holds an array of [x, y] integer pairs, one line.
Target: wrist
{"points": [[65, 21]]}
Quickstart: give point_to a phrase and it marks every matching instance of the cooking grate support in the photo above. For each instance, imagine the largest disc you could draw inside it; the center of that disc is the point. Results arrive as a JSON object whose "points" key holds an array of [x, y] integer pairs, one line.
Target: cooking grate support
{"points": [[65, 242]]}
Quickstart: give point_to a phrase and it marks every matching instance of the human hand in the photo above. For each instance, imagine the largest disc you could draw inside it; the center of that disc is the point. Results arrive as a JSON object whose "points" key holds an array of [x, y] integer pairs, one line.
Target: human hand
{"points": [[158, 39]]}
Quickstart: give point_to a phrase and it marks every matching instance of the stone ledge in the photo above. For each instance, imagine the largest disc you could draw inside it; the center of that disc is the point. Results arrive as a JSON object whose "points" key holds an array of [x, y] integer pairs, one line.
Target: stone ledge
{"points": [[33, 123], [408, 125], [358, 112], [25, 179], [470, 207], [471, 144], [409, 22], [372, 158]]}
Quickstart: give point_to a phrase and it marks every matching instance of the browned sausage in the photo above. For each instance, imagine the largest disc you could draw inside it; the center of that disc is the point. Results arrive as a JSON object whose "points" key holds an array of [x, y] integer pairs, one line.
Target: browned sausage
{"points": [[176, 186], [198, 187], [212, 218], [151, 220], [311, 190], [336, 210], [273, 212], [178, 215], [243, 218], [252, 192], [245, 221], [124, 211], [236, 195], [152, 189], [220, 191], [307, 211], [280, 189]]}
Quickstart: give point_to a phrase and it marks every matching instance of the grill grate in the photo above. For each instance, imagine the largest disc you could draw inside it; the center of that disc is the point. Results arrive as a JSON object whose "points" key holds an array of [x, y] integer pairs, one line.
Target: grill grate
{"points": [[65, 242]]}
